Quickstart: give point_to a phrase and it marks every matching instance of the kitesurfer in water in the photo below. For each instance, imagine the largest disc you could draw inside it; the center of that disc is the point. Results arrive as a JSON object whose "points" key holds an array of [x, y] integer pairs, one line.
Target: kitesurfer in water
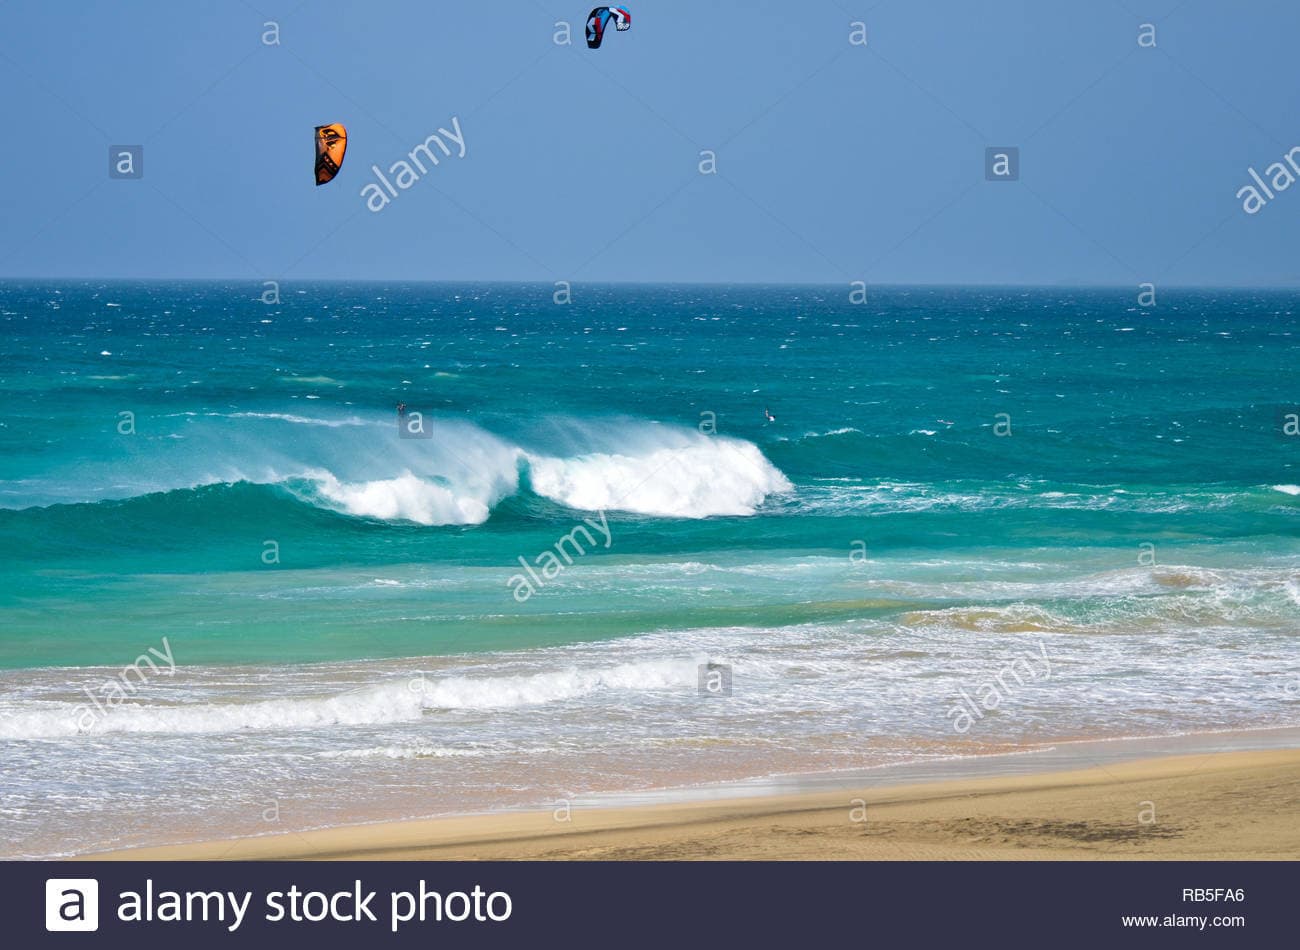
{"points": [[768, 415], [401, 408]]}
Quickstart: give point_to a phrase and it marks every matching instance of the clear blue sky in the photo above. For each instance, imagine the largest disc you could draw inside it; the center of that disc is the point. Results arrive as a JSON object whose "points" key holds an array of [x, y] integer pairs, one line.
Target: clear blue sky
{"points": [[835, 162]]}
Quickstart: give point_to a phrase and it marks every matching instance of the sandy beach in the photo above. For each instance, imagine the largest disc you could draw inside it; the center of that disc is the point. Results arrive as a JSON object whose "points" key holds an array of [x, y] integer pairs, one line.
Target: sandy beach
{"points": [[1221, 806]]}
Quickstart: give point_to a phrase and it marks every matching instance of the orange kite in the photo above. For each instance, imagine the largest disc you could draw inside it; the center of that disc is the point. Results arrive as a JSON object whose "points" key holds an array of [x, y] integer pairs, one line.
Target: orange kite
{"points": [[331, 145]]}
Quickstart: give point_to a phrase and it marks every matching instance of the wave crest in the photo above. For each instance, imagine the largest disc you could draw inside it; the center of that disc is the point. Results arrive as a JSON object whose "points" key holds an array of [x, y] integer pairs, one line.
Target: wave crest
{"points": [[455, 473], [704, 477], [404, 498]]}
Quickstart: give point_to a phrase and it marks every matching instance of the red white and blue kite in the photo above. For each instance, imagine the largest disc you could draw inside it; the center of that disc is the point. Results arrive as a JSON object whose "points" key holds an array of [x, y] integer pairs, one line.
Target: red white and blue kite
{"points": [[600, 18]]}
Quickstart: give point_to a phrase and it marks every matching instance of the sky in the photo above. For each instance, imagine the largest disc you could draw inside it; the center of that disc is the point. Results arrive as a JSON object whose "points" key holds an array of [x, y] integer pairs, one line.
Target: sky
{"points": [[833, 161]]}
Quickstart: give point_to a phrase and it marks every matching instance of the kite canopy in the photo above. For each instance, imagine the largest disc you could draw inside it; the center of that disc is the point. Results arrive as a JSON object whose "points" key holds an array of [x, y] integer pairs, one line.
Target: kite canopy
{"points": [[331, 144], [600, 18]]}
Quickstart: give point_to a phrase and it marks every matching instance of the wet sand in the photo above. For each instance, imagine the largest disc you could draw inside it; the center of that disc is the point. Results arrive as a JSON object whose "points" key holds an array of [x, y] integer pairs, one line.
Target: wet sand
{"points": [[1239, 805]]}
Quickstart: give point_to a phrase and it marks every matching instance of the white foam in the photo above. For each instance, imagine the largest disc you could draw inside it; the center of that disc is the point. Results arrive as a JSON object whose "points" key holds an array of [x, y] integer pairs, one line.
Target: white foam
{"points": [[1287, 489], [833, 432], [699, 477], [405, 752], [392, 701], [500, 692], [295, 419], [406, 498], [374, 705]]}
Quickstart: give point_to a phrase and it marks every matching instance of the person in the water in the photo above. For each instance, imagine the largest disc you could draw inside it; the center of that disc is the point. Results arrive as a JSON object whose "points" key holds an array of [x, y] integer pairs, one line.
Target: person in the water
{"points": [[768, 415], [401, 408]]}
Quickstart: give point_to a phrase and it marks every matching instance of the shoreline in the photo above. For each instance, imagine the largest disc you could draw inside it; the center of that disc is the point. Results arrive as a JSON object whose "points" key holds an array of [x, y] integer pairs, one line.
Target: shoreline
{"points": [[1215, 796]]}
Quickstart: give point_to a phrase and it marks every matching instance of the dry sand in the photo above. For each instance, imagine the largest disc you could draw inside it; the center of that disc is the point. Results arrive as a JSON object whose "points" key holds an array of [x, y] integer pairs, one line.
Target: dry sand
{"points": [[1221, 806]]}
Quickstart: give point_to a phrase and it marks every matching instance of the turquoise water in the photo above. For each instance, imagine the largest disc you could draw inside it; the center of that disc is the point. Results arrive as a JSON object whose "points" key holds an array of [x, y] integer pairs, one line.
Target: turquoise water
{"points": [[953, 479]]}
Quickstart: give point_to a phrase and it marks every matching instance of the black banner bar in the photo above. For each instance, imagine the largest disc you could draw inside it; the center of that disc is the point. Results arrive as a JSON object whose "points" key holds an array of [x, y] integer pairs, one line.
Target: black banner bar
{"points": [[652, 905]]}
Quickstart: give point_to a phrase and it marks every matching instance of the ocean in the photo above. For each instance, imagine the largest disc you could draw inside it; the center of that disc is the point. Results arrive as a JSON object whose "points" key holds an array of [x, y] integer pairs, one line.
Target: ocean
{"points": [[661, 536]]}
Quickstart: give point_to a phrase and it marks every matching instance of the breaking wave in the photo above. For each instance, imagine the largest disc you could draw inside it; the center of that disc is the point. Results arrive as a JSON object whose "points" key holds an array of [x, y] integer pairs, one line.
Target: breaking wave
{"points": [[442, 473]]}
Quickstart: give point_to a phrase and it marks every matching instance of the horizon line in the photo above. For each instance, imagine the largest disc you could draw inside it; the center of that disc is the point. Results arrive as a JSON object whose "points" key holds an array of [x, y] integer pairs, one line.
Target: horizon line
{"points": [[1063, 285]]}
